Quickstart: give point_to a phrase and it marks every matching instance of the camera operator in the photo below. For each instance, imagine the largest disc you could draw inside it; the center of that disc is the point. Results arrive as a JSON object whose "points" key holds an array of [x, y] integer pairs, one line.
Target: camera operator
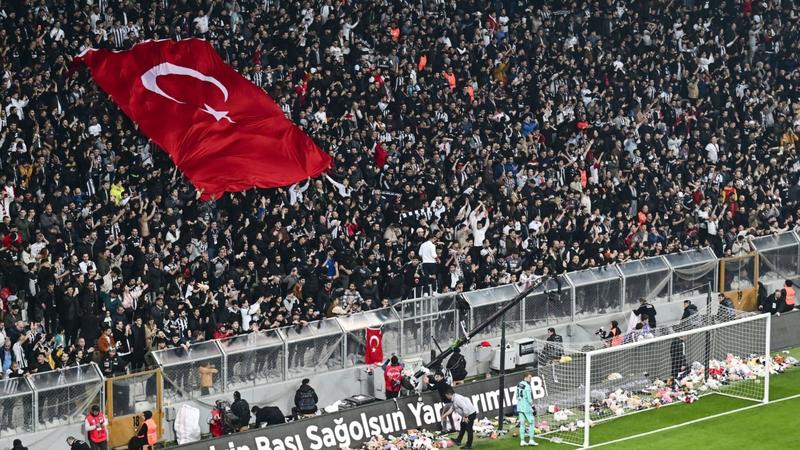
{"points": [[613, 337]]}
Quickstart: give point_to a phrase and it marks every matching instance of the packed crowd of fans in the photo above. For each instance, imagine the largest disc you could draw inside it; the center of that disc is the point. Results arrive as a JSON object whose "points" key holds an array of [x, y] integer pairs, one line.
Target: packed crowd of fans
{"points": [[523, 138]]}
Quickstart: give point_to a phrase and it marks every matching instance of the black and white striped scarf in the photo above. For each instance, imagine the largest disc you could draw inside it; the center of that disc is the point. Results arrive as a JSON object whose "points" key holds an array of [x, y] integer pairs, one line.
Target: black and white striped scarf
{"points": [[426, 213]]}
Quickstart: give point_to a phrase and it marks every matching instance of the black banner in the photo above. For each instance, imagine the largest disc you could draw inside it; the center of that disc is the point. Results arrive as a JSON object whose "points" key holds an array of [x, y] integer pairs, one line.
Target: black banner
{"points": [[352, 427]]}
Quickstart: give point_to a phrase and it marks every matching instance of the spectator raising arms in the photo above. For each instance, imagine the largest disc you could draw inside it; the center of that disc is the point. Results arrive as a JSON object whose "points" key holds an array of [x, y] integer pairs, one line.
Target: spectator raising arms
{"points": [[475, 143]]}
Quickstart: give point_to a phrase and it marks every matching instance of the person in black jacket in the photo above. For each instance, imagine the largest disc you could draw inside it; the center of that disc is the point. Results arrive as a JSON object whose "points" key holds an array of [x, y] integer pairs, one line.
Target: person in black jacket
{"points": [[439, 384], [18, 445], [138, 344], [71, 308], [677, 356], [305, 399], [689, 309], [457, 365], [270, 415], [46, 301], [774, 302], [762, 297], [725, 313], [241, 409], [442, 387], [77, 444], [646, 309], [41, 365], [555, 347]]}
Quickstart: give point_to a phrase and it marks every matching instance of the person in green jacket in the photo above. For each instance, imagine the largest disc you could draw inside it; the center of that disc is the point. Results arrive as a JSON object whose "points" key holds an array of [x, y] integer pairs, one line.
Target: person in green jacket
{"points": [[527, 414]]}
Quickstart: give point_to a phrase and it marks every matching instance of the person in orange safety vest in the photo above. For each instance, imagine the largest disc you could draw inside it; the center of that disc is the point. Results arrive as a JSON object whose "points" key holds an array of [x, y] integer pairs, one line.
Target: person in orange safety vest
{"points": [[147, 435], [789, 296]]}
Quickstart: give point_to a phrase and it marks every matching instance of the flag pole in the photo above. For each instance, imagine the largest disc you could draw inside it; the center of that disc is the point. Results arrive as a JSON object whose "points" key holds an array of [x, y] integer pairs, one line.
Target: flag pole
{"points": [[499, 313], [501, 414]]}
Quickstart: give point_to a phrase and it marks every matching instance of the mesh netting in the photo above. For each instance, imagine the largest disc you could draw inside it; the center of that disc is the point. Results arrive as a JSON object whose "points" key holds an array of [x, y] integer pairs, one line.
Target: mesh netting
{"points": [[727, 358]]}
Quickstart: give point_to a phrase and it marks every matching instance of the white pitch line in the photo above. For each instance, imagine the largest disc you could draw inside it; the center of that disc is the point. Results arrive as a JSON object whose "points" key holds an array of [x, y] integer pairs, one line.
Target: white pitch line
{"points": [[691, 422]]}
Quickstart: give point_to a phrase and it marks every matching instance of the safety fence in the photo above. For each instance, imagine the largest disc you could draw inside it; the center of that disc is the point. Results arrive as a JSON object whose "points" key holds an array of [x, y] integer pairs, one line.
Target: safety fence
{"points": [[414, 326], [48, 400], [411, 327]]}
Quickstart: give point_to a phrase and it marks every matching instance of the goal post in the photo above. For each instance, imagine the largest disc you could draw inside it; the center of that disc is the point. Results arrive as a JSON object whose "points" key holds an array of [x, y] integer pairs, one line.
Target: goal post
{"points": [[730, 359], [587, 389], [768, 350]]}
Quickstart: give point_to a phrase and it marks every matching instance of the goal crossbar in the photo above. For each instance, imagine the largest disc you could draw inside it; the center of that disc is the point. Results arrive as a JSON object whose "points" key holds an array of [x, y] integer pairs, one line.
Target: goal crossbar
{"points": [[672, 336]]}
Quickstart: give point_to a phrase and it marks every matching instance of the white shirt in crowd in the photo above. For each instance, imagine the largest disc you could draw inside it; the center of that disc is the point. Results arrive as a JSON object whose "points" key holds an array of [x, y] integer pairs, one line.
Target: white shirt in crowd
{"points": [[427, 251], [19, 355], [95, 130], [201, 23], [57, 34], [86, 266], [173, 236], [478, 234], [20, 104], [712, 150]]}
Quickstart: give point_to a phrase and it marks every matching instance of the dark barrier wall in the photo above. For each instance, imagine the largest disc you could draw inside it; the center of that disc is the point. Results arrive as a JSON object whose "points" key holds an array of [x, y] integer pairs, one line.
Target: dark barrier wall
{"points": [[785, 331], [352, 427]]}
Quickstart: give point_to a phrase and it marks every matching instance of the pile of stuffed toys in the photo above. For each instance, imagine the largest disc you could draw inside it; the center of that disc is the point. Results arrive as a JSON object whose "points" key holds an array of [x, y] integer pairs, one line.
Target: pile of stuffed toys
{"points": [[411, 439], [687, 387], [690, 384], [427, 440]]}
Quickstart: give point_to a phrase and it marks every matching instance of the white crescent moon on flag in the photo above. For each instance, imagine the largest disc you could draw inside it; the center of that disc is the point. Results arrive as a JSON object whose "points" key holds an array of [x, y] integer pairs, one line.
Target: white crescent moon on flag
{"points": [[150, 82], [378, 342]]}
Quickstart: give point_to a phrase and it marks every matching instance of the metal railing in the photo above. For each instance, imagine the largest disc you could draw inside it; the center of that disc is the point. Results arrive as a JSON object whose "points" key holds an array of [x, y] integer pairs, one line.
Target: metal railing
{"points": [[410, 327], [50, 399]]}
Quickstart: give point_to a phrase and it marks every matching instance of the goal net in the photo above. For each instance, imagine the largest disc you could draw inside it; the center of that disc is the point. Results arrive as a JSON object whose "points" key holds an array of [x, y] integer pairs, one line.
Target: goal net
{"points": [[587, 389]]}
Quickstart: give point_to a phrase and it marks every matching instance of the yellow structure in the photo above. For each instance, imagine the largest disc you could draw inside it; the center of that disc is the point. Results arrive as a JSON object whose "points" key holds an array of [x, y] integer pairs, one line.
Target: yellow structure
{"points": [[127, 397], [738, 280]]}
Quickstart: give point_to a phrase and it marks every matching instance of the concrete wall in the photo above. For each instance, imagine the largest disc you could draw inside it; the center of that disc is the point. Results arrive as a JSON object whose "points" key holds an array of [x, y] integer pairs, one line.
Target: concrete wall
{"points": [[785, 331]]}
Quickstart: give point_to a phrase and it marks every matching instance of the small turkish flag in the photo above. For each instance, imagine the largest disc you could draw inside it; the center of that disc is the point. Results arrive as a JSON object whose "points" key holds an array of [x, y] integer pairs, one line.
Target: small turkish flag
{"points": [[223, 132], [373, 353]]}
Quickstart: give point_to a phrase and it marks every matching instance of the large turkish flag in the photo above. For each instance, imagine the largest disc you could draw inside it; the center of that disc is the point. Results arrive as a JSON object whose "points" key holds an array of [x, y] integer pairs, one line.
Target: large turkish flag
{"points": [[223, 132]]}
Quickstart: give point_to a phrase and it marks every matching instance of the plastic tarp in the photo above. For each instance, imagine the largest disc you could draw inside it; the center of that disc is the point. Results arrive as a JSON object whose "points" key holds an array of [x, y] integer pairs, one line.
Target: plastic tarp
{"points": [[597, 291], [692, 272], [314, 348], [648, 278], [187, 425]]}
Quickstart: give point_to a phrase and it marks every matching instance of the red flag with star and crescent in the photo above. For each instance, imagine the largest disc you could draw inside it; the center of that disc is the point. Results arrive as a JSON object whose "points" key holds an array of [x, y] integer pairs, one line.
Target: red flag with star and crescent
{"points": [[223, 132], [373, 348]]}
